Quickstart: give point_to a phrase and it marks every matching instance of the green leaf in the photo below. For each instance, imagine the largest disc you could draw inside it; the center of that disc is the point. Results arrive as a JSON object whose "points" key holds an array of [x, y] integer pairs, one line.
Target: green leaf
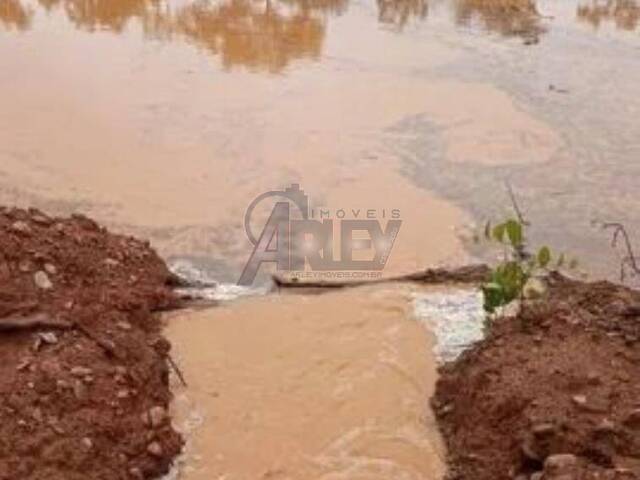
{"points": [[544, 256], [560, 262], [493, 294], [514, 232], [498, 232]]}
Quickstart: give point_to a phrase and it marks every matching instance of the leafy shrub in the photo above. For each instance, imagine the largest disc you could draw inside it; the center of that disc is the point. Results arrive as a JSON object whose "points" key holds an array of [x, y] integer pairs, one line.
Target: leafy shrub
{"points": [[510, 277]]}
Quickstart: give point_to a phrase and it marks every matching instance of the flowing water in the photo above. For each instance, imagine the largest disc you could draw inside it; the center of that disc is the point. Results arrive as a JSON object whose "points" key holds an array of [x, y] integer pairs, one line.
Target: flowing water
{"points": [[166, 118]]}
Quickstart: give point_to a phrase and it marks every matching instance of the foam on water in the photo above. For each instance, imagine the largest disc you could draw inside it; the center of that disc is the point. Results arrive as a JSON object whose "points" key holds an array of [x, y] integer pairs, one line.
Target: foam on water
{"points": [[208, 286], [455, 317], [189, 420]]}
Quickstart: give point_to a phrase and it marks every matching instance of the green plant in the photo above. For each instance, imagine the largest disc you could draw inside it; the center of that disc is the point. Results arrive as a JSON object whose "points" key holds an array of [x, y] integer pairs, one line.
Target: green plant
{"points": [[510, 277]]}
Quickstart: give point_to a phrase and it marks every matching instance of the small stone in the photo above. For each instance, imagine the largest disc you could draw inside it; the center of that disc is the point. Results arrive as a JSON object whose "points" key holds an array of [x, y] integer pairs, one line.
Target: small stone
{"points": [[126, 326], [41, 219], [50, 268], [37, 414], [446, 409], [88, 379], [560, 464], [49, 337], [23, 364], [21, 227], [536, 476], [123, 394], [80, 390], [62, 384], [606, 426], [42, 281], [529, 451], [580, 400], [155, 449], [157, 416], [87, 443], [110, 262], [136, 473], [81, 371], [543, 429]]}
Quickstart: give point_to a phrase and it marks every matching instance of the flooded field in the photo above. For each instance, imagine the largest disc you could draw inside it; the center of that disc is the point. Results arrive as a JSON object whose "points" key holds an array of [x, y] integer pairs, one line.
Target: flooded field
{"points": [[166, 118]]}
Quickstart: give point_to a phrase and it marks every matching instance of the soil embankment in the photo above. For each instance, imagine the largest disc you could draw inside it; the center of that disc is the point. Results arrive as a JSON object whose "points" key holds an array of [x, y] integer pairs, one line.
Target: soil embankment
{"points": [[553, 394], [84, 377]]}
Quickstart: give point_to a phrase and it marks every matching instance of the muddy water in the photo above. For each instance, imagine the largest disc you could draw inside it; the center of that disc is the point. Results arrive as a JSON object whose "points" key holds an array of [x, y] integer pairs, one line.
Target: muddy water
{"points": [[320, 387], [165, 118]]}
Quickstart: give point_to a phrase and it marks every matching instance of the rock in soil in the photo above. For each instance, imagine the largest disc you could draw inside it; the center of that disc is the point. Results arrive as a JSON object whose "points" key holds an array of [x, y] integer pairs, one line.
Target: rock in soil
{"points": [[551, 394], [60, 415]]}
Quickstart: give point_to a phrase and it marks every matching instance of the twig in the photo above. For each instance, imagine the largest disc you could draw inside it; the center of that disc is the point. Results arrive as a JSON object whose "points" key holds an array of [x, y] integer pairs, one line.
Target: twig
{"points": [[521, 249], [514, 202], [108, 346], [38, 320], [630, 259], [176, 369]]}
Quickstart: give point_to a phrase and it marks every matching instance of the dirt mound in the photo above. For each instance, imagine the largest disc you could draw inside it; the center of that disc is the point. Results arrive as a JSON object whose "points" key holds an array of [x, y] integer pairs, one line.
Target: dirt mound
{"points": [[83, 370], [553, 394]]}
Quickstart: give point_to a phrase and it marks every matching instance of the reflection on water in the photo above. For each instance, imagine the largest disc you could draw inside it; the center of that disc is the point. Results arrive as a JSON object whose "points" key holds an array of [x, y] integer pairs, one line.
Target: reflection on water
{"points": [[265, 34], [397, 13], [14, 14], [261, 35], [511, 18], [104, 14], [625, 13]]}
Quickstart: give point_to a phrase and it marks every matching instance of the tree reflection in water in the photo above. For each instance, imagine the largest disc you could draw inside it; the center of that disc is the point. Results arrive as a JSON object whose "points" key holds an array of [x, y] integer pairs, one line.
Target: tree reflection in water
{"points": [[263, 35], [14, 15], [625, 13], [397, 13], [510, 18]]}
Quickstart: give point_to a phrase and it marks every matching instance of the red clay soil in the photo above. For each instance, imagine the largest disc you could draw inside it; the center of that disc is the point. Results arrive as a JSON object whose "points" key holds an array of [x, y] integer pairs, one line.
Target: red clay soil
{"points": [[554, 394], [86, 397]]}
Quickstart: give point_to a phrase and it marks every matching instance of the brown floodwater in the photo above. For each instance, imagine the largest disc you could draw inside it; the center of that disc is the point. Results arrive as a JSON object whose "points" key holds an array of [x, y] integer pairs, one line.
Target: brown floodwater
{"points": [[329, 387], [165, 118]]}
